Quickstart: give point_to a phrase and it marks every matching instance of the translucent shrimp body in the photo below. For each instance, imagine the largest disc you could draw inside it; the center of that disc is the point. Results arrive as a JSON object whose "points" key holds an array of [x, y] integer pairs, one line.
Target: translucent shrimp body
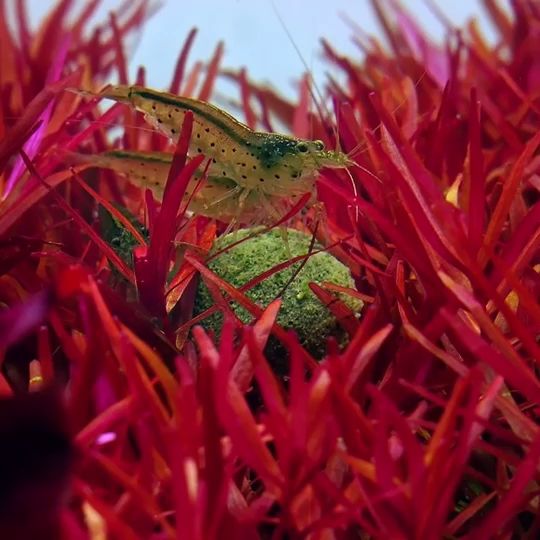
{"points": [[215, 197], [269, 163]]}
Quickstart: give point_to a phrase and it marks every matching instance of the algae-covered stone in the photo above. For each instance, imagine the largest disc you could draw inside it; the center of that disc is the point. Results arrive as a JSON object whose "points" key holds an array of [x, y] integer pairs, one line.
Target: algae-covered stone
{"points": [[301, 310]]}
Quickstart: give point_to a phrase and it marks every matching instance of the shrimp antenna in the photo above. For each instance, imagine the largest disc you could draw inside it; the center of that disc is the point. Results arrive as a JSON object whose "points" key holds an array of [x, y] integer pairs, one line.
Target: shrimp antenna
{"points": [[316, 94], [355, 192], [359, 148]]}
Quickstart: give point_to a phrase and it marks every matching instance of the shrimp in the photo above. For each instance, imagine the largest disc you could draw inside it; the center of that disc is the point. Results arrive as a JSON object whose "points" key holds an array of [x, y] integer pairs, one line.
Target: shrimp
{"points": [[268, 163], [215, 197]]}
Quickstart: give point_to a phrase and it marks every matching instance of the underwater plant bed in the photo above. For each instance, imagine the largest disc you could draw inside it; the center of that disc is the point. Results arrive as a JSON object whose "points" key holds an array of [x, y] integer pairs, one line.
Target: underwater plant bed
{"points": [[125, 413]]}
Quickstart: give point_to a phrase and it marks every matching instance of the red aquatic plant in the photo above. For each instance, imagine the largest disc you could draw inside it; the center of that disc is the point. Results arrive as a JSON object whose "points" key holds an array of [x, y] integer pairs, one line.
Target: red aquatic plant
{"points": [[424, 427]]}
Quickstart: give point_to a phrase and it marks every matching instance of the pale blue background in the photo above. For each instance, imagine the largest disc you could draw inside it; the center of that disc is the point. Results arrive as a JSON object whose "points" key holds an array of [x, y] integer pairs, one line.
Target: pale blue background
{"points": [[255, 38]]}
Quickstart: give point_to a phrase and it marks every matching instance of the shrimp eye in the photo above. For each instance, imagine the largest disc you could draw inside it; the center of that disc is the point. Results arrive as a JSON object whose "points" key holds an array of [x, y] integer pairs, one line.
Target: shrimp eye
{"points": [[319, 145], [302, 147]]}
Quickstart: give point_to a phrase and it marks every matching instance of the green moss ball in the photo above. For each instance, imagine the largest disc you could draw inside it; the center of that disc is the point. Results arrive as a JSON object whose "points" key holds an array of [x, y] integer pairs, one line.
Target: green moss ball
{"points": [[301, 310]]}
